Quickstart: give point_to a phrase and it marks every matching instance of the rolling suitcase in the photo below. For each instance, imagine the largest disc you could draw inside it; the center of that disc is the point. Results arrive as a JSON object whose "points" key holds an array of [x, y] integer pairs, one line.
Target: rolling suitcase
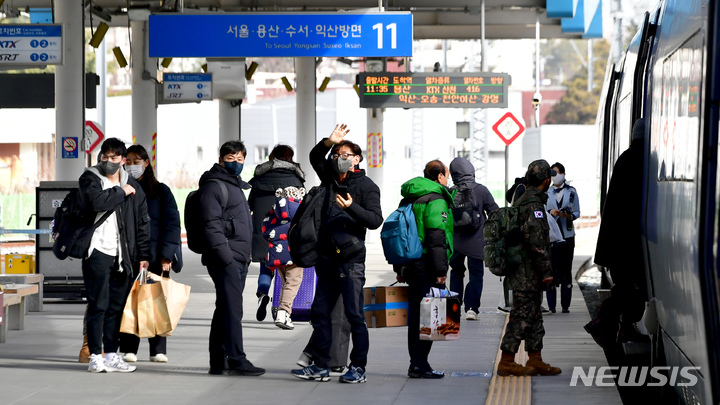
{"points": [[303, 299]]}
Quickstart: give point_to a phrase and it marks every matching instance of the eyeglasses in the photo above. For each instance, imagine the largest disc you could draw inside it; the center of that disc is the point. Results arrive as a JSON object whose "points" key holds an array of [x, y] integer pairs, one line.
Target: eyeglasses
{"points": [[343, 155]]}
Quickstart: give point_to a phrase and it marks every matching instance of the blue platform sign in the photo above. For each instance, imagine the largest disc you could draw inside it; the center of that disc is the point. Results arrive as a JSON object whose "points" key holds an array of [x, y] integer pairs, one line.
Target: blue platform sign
{"points": [[280, 35], [187, 86], [31, 44]]}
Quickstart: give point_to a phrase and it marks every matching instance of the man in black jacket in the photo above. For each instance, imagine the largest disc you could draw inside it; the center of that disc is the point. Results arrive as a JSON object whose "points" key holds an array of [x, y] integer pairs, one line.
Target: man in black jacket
{"points": [[352, 207], [228, 233], [121, 240]]}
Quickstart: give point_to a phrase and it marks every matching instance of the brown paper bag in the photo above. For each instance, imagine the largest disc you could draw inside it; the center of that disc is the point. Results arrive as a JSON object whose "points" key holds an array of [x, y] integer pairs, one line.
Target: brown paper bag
{"points": [[176, 299], [151, 310], [129, 323]]}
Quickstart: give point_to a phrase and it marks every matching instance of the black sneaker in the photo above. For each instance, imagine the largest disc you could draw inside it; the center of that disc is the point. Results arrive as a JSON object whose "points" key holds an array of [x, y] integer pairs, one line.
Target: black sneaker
{"points": [[338, 371], [429, 373], [263, 300], [246, 369]]}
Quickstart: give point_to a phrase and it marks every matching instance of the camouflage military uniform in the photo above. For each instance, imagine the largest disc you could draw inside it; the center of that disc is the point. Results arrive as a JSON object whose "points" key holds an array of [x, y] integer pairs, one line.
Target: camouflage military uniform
{"points": [[525, 317]]}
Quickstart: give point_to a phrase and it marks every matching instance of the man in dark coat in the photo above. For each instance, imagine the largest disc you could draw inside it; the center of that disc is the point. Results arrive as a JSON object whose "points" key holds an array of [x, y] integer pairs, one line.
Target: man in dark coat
{"points": [[619, 246], [469, 245], [279, 172], [228, 233], [121, 240], [353, 206]]}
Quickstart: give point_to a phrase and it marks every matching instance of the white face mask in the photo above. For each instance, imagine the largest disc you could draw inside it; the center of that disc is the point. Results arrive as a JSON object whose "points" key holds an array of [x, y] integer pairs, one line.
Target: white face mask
{"points": [[558, 180], [134, 171]]}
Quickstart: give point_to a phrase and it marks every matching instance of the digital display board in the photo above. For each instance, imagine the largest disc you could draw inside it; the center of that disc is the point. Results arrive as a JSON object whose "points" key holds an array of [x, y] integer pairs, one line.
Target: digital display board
{"points": [[433, 90]]}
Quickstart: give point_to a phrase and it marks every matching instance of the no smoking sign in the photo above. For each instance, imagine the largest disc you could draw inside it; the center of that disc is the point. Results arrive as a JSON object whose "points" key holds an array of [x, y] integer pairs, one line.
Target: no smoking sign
{"points": [[70, 147], [509, 128]]}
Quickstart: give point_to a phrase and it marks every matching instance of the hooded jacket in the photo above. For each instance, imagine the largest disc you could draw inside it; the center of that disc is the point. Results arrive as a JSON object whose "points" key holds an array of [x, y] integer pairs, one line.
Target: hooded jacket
{"points": [[133, 221], [269, 176], [435, 225], [364, 213], [463, 173], [228, 231]]}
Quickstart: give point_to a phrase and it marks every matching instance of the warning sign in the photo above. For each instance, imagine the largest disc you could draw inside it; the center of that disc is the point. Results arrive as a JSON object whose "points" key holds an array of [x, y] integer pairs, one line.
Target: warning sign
{"points": [[375, 150], [508, 128], [70, 147]]}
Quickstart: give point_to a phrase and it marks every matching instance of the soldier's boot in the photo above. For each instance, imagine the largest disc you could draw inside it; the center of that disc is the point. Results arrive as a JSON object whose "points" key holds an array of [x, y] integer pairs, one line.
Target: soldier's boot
{"points": [[508, 366], [536, 363], [84, 356]]}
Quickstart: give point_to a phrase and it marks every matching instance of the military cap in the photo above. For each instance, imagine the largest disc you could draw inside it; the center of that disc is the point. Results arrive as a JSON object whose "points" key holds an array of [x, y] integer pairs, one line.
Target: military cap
{"points": [[539, 170]]}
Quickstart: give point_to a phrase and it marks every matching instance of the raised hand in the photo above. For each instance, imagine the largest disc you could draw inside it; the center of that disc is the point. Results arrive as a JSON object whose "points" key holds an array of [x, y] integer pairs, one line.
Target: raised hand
{"points": [[338, 133]]}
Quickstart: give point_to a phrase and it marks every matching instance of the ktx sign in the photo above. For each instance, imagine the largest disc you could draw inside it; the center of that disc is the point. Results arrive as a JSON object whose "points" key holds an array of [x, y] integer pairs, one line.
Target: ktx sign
{"points": [[508, 128]]}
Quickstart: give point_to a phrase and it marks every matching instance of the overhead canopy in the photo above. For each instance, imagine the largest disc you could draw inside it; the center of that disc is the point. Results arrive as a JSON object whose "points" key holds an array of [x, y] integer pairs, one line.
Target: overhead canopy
{"points": [[433, 19]]}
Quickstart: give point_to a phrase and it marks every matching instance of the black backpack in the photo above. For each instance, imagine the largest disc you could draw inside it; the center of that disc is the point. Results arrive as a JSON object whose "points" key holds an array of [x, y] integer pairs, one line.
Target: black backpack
{"points": [[194, 229], [305, 228], [466, 212], [73, 227]]}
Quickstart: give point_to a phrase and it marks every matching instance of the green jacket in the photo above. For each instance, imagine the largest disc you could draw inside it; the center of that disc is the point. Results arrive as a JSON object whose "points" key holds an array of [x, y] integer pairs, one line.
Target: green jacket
{"points": [[535, 240], [434, 222]]}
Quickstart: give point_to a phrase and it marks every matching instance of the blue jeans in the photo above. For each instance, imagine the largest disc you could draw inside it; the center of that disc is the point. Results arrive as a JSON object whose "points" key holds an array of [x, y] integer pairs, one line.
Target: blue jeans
{"points": [[264, 280], [473, 291]]}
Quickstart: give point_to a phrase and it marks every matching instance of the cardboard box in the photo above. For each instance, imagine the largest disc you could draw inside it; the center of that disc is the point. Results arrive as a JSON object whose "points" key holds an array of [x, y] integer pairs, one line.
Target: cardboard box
{"points": [[385, 306], [19, 264]]}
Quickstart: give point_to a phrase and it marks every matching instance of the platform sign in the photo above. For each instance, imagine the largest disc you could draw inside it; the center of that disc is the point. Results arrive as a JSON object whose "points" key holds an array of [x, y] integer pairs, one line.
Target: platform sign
{"points": [[509, 128], [187, 86], [433, 90], [375, 150], [70, 147], [281, 35], [36, 44]]}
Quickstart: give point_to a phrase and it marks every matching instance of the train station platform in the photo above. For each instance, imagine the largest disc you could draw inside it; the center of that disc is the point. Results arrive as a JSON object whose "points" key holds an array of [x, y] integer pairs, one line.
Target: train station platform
{"points": [[38, 365]]}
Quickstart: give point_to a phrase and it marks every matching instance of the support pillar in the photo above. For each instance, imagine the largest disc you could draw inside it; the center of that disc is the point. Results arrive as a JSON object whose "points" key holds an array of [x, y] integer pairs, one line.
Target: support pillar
{"points": [[305, 100], [144, 93], [70, 92], [230, 115], [375, 118]]}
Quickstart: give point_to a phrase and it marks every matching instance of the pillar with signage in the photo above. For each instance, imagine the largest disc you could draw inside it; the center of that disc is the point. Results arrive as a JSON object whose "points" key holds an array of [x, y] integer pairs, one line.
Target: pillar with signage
{"points": [[69, 93], [144, 93], [375, 146]]}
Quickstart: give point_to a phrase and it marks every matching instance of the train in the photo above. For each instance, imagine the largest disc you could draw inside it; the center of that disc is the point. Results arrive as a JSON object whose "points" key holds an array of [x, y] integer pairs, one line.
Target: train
{"points": [[669, 75]]}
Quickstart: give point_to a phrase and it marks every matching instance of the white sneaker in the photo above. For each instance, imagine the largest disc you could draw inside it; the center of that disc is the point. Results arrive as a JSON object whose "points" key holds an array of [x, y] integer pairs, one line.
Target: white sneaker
{"points": [[97, 364], [115, 363], [283, 320], [130, 357], [472, 315], [159, 358]]}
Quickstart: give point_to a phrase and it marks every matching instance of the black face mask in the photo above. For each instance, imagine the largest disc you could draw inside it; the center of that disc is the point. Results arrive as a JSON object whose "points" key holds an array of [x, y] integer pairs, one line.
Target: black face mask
{"points": [[108, 168]]}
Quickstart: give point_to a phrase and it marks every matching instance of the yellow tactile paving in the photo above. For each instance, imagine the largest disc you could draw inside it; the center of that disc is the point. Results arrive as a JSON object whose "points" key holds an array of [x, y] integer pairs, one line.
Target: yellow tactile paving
{"points": [[510, 390]]}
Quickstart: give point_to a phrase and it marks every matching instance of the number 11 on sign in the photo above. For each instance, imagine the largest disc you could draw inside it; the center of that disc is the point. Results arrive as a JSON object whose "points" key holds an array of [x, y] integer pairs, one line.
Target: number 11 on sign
{"points": [[393, 34]]}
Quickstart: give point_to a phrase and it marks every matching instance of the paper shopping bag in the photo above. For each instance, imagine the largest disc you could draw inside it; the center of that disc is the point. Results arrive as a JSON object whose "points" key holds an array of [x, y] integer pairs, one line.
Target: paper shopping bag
{"points": [[440, 318], [152, 311], [129, 322], [176, 298]]}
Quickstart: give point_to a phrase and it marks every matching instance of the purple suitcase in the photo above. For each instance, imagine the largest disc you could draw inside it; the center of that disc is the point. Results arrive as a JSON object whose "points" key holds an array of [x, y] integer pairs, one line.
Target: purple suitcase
{"points": [[304, 298]]}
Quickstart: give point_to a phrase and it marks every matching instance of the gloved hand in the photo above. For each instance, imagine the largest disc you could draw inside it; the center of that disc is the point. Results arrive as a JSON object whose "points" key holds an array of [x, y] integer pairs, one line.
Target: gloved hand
{"points": [[513, 237]]}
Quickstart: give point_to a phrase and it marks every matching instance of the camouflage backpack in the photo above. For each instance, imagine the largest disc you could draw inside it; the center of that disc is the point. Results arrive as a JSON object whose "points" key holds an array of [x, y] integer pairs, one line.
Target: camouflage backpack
{"points": [[500, 258]]}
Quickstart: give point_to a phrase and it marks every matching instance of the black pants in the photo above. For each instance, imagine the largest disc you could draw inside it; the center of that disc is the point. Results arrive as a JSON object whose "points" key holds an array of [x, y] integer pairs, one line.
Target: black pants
{"points": [[418, 287], [561, 258], [226, 326], [334, 280], [106, 289]]}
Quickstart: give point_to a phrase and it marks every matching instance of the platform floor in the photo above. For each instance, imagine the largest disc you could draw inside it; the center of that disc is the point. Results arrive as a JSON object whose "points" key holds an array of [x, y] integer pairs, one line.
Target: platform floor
{"points": [[39, 364]]}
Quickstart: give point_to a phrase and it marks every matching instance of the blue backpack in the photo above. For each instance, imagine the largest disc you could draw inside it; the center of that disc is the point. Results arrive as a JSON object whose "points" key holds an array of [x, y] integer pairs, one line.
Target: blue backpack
{"points": [[399, 235]]}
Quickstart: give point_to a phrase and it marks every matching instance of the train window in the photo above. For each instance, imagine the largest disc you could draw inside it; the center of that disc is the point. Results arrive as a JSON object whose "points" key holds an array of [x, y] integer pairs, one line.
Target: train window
{"points": [[678, 126]]}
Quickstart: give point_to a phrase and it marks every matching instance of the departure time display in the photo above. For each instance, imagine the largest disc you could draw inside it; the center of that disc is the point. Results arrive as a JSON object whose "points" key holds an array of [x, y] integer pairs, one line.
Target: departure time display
{"points": [[433, 90]]}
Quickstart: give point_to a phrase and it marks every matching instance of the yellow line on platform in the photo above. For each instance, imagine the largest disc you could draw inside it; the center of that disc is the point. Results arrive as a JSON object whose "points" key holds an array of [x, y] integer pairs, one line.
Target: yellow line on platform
{"points": [[510, 390]]}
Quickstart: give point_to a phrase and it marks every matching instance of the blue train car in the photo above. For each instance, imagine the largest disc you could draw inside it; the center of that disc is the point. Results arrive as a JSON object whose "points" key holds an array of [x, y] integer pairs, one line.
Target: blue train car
{"points": [[670, 76]]}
